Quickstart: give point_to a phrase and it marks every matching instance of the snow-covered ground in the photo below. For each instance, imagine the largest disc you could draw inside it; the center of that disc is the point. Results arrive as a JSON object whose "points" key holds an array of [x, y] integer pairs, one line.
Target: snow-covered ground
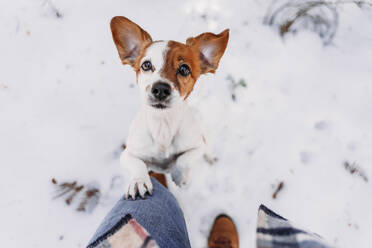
{"points": [[66, 103]]}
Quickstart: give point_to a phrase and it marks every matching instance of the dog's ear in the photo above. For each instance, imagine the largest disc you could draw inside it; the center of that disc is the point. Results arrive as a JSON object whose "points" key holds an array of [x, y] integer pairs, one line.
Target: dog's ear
{"points": [[129, 39], [210, 48]]}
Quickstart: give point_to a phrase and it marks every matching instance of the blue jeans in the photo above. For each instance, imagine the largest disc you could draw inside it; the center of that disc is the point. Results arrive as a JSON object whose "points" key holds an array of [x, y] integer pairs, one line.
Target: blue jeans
{"points": [[159, 214]]}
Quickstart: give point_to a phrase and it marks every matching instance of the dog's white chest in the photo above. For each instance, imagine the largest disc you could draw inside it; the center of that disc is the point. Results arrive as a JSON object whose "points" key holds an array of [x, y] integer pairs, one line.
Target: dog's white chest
{"points": [[159, 138], [162, 132]]}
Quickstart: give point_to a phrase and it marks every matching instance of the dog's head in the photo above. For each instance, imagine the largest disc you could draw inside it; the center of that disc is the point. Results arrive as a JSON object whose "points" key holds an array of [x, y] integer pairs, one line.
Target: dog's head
{"points": [[166, 70]]}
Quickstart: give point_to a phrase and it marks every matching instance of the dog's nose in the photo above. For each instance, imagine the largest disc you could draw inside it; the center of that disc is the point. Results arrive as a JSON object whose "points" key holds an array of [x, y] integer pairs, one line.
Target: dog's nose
{"points": [[161, 91]]}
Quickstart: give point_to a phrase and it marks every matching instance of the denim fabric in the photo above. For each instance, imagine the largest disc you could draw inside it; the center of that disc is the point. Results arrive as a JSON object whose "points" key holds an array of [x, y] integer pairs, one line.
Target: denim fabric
{"points": [[159, 214]]}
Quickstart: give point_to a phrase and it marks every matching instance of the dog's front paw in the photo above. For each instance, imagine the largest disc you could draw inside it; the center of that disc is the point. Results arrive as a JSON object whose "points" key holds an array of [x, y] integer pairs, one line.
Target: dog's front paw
{"points": [[139, 186]]}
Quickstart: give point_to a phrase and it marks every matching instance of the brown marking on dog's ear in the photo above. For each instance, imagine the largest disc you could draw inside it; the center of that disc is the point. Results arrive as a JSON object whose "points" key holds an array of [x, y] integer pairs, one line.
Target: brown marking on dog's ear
{"points": [[210, 48], [130, 39], [177, 55]]}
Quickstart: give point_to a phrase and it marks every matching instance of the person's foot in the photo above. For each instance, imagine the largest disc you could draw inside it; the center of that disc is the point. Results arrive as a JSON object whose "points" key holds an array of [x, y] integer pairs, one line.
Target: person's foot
{"points": [[223, 233], [160, 177]]}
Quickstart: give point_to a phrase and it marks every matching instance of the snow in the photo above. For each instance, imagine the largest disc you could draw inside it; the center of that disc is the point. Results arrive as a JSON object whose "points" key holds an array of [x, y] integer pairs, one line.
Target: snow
{"points": [[66, 103]]}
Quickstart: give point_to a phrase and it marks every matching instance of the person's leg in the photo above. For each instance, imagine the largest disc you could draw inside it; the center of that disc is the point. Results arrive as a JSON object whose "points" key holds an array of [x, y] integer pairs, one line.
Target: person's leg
{"points": [[159, 214]]}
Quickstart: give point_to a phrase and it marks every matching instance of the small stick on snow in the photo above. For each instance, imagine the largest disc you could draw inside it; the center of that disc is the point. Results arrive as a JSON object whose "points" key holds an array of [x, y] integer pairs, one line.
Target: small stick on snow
{"points": [[278, 189]]}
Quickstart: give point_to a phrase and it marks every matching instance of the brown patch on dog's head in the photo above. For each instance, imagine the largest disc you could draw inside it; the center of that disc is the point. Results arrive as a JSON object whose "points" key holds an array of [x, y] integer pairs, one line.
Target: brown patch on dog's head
{"points": [[200, 54], [180, 54]]}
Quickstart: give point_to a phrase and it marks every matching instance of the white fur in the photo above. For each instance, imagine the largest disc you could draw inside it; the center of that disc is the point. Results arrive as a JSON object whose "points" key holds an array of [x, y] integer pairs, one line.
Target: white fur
{"points": [[162, 140]]}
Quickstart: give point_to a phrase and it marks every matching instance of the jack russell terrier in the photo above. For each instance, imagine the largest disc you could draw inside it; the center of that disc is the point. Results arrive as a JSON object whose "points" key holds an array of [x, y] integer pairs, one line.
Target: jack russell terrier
{"points": [[166, 135]]}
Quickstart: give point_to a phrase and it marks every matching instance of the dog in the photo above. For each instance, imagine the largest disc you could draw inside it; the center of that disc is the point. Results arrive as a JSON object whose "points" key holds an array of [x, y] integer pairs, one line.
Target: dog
{"points": [[166, 135]]}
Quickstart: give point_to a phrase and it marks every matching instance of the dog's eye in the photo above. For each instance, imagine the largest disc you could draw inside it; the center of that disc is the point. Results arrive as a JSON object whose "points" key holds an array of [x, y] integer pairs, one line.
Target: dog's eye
{"points": [[184, 70], [146, 66]]}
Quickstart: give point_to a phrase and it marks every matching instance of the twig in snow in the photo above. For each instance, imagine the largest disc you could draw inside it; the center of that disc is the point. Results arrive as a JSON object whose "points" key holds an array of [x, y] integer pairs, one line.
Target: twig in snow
{"points": [[319, 16], [353, 168], [65, 188], [74, 193], [88, 202], [278, 189]]}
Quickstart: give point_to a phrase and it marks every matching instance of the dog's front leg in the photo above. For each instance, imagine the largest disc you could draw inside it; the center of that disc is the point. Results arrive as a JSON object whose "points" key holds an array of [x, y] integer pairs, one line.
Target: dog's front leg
{"points": [[180, 172], [139, 178]]}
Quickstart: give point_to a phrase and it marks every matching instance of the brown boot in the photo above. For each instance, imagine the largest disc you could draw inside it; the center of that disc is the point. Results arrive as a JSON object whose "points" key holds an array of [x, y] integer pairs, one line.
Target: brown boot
{"points": [[160, 177], [223, 233]]}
